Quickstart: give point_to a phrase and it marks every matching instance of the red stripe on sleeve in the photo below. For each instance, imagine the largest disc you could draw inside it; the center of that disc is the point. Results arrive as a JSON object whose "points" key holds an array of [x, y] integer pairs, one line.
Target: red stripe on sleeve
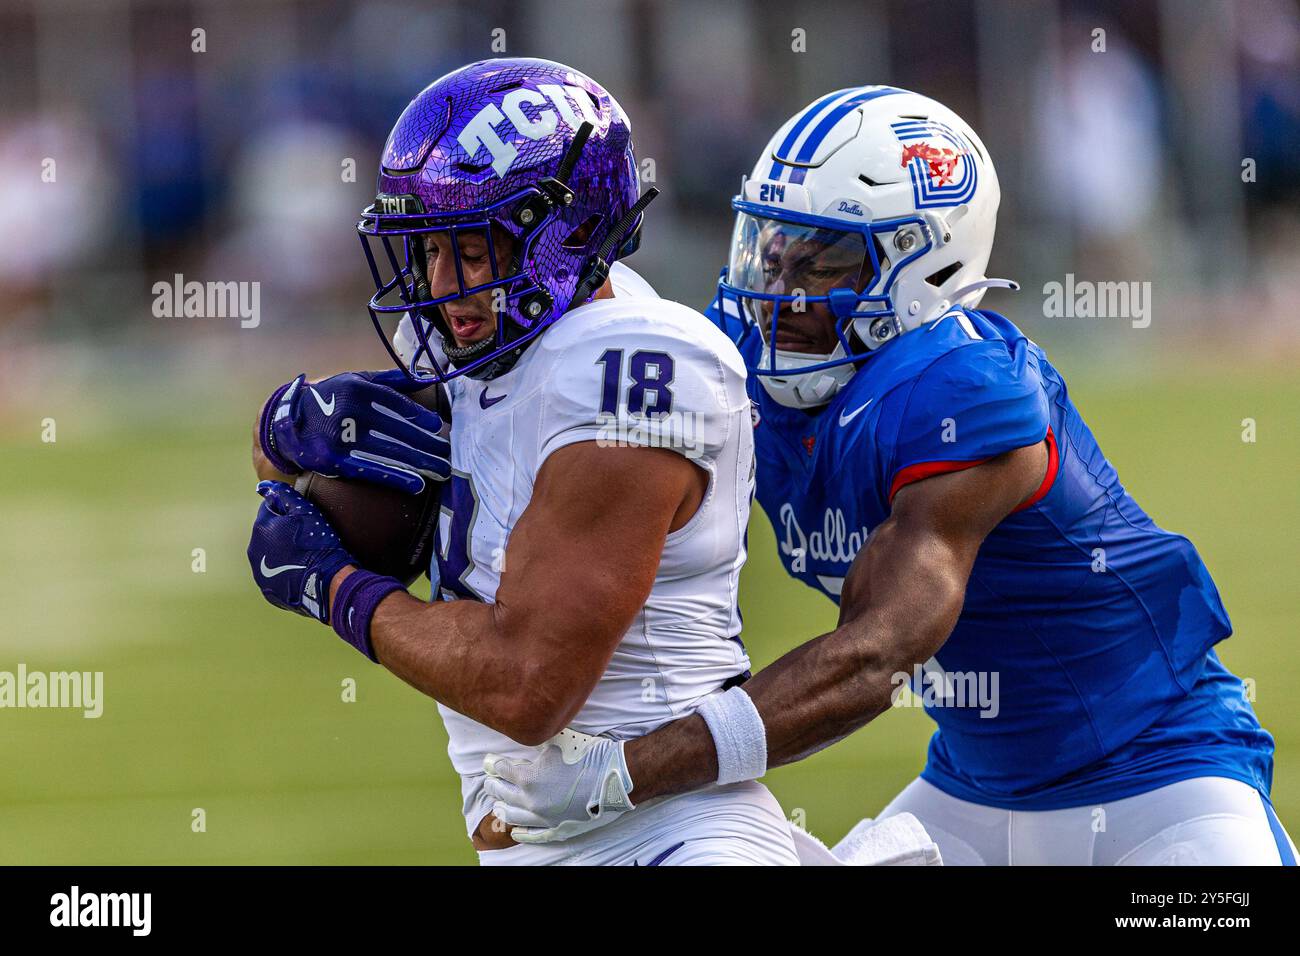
{"points": [[1053, 465], [928, 469]]}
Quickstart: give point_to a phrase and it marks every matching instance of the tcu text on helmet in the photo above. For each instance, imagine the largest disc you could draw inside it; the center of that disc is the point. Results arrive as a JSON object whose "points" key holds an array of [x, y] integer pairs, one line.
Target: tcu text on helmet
{"points": [[480, 132]]}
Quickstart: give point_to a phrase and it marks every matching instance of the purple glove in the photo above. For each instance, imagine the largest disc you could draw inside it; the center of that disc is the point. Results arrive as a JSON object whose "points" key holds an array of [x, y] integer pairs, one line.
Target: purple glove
{"points": [[355, 425], [294, 552]]}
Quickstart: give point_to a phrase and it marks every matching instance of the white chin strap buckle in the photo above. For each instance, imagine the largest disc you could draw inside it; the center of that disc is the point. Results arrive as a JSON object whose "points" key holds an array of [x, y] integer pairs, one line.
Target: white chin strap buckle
{"points": [[819, 390]]}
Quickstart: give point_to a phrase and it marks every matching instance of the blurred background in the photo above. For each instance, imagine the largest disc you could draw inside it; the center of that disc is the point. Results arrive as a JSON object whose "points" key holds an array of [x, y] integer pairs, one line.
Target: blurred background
{"points": [[1149, 140]]}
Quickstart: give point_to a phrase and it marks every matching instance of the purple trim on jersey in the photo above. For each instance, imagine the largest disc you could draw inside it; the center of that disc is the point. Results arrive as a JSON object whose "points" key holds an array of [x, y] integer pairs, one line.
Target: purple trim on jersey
{"points": [[453, 558], [658, 860]]}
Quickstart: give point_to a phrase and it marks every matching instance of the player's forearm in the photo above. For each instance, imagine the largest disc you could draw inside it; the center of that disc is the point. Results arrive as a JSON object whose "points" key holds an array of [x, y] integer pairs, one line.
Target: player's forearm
{"points": [[460, 654], [676, 758], [813, 696], [821, 691]]}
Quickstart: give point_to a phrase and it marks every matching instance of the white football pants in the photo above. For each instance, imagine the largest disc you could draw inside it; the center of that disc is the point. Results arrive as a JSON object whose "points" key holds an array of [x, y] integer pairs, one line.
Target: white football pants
{"points": [[1205, 821], [740, 824]]}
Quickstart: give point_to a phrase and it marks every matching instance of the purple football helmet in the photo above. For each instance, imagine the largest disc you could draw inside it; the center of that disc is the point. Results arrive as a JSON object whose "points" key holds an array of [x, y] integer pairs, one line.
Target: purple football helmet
{"points": [[529, 146]]}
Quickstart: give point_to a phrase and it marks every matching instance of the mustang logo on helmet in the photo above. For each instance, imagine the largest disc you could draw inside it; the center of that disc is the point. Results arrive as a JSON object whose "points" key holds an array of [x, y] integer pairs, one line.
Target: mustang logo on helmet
{"points": [[941, 162], [932, 167]]}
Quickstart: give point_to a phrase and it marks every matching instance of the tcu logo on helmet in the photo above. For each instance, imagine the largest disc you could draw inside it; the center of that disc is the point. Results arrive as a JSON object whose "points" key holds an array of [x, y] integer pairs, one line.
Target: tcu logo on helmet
{"points": [[398, 205], [937, 158], [481, 133]]}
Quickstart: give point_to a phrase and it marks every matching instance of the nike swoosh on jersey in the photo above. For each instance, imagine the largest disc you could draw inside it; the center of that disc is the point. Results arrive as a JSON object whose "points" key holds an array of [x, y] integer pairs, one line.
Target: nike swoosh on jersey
{"points": [[327, 408], [272, 572], [845, 419], [485, 402]]}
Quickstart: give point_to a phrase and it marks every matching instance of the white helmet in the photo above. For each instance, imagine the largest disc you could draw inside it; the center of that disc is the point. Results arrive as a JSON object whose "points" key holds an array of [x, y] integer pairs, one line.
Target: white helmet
{"points": [[878, 204]]}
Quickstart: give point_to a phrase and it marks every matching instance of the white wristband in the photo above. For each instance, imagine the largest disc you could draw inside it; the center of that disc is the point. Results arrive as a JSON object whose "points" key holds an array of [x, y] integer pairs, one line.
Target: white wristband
{"points": [[739, 736]]}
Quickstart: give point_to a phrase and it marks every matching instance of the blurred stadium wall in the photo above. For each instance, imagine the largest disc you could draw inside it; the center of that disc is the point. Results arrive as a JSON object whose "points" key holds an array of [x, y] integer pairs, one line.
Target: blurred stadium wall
{"points": [[236, 140]]}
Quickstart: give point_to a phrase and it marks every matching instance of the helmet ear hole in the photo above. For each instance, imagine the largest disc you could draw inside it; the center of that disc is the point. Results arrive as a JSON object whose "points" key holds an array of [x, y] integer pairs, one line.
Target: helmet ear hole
{"points": [[580, 238], [937, 279]]}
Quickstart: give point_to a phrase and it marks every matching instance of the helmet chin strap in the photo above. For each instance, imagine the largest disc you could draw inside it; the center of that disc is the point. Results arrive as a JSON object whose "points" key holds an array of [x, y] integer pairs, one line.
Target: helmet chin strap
{"points": [[460, 355], [464, 354], [806, 389]]}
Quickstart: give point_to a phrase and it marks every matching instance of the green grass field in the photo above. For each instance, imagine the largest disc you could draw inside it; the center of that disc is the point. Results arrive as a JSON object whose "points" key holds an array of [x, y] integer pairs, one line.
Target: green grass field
{"points": [[214, 700]]}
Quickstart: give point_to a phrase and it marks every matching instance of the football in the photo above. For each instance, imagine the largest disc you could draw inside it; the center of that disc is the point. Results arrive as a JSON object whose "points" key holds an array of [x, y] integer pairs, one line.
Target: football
{"points": [[388, 531]]}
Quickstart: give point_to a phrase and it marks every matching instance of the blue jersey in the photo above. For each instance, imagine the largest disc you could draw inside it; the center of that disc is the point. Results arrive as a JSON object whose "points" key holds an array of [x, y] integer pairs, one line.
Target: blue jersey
{"points": [[1092, 627]]}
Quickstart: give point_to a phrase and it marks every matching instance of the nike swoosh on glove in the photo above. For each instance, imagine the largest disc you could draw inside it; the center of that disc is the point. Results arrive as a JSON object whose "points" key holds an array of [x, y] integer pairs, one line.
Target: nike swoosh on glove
{"points": [[577, 783], [356, 425], [294, 553]]}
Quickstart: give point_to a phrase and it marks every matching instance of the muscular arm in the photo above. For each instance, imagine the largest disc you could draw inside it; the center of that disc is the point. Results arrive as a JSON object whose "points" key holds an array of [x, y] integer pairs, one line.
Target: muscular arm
{"points": [[901, 600], [579, 565]]}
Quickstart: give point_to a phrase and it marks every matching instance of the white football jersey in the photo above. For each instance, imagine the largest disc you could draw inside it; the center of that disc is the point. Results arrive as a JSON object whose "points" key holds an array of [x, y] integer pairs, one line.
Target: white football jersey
{"points": [[634, 369]]}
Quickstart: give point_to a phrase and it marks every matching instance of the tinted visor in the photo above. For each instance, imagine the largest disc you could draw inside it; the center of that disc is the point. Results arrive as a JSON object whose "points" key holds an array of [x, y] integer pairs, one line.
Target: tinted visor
{"points": [[771, 258]]}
